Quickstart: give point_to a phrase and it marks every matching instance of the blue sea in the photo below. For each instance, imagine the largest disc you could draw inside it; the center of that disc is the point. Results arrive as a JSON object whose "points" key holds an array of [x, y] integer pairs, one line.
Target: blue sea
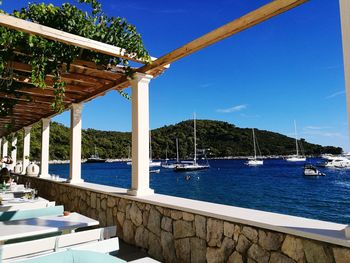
{"points": [[277, 186]]}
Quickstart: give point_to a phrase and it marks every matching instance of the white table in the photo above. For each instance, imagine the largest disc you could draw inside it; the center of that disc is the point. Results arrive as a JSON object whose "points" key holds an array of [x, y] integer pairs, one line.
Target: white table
{"points": [[43, 225], [14, 204]]}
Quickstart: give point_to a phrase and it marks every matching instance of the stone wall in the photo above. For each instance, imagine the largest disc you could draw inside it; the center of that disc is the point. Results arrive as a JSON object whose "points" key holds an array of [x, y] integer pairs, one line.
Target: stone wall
{"points": [[170, 235]]}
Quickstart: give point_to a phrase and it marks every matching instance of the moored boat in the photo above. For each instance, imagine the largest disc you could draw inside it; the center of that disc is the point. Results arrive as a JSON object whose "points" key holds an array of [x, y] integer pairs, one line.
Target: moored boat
{"points": [[192, 165], [310, 170], [254, 161], [296, 157], [95, 158]]}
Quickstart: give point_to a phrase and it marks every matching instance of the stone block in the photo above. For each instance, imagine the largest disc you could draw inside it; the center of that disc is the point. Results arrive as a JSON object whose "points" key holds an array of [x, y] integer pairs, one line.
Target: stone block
{"points": [[154, 221], [154, 247], [270, 240], [120, 218], [187, 216], [293, 248], [229, 229], [215, 231], [110, 201], [183, 229], [122, 205], [258, 254], [135, 214], [227, 247], [104, 204], [250, 233], [128, 232], [168, 246], [200, 223], [176, 215], [93, 200], [198, 250], [215, 255], [183, 250], [167, 212], [127, 211], [235, 258], [145, 216], [141, 237], [280, 258], [167, 224], [315, 252], [341, 255], [160, 209]]}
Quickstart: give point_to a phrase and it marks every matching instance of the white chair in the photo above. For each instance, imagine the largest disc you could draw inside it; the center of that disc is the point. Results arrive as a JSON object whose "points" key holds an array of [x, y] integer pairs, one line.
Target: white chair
{"points": [[97, 240]]}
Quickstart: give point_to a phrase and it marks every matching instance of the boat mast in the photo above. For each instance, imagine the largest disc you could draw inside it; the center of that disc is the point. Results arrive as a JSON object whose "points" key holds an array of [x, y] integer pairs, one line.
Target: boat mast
{"points": [[177, 150], [166, 153], [195, 139], [254, 144], [296, 137]]}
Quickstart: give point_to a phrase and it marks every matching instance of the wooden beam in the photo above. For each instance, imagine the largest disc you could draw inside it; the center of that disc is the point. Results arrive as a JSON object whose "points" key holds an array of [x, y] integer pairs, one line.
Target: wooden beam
{"points": [[249, 20], [66, 38]]}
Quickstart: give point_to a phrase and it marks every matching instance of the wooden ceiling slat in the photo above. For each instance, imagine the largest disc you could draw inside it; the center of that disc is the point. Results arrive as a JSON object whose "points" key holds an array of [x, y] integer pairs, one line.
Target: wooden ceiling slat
{"points": [[21, 67]]}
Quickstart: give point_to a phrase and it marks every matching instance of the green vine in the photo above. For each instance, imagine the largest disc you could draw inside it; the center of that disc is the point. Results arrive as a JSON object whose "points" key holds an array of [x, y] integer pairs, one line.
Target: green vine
{"points": [[48, 57]]}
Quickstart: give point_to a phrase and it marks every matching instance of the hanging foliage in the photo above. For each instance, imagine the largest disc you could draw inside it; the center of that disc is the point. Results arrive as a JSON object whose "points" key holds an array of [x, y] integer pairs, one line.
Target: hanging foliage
{"points": [[48, 57]]}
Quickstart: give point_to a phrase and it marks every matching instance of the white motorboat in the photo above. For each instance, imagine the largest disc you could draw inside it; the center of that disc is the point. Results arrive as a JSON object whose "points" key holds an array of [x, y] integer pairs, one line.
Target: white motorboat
{"points": [[297, 157], [154, 164], [186, 167], [254, 161], [336, 162], [193, 165], [310, 170]]}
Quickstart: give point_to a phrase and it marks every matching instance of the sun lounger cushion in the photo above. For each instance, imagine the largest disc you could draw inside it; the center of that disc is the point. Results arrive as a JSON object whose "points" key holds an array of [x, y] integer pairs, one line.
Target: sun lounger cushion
{"points": [[32, 213], [74, 256]]}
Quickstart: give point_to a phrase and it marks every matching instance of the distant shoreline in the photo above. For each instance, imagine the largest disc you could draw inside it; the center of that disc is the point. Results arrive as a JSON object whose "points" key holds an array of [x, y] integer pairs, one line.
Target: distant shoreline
{"points": [[213, 158]]}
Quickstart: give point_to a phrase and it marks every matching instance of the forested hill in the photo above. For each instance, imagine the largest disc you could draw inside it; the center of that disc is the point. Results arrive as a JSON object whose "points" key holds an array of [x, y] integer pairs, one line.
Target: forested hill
{"points": [[222, 138]]}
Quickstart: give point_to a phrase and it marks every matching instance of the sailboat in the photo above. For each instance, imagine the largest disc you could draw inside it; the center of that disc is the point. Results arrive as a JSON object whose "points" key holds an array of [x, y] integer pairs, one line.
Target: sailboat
{"points": [[171, 165], [254, 161], [151, 162], [193, 165], [94, 158], [297, 157]]}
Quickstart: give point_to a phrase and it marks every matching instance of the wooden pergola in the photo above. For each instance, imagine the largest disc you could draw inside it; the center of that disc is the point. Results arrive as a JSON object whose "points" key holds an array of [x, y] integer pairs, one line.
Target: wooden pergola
{"points": [[86, 81]]}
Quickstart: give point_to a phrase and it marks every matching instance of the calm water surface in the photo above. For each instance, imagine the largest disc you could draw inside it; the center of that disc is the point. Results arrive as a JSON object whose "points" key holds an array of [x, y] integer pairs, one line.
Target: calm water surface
{"points": [[277, 186]]}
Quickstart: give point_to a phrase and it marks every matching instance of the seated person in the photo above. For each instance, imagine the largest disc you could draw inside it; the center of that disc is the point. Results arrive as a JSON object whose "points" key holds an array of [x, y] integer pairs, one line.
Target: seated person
{"points": [[5, 175], [6, 162]]}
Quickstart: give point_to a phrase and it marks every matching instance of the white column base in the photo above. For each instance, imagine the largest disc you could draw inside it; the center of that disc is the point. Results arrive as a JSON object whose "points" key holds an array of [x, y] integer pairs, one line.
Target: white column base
{"points": [[79, 181], [140, 192]]}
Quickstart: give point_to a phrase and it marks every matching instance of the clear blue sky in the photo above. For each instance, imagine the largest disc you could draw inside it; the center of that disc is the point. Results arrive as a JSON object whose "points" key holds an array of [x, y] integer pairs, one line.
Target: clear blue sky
{"points": [[288, 68]]}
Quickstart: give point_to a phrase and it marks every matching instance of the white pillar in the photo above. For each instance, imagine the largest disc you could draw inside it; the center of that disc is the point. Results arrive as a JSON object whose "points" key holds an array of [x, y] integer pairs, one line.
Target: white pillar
{"points": [[45, 142], [75, 143], [0, 146], [140, 135], [345, 25], [26, 148], [14, 152], [5, 148]]}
